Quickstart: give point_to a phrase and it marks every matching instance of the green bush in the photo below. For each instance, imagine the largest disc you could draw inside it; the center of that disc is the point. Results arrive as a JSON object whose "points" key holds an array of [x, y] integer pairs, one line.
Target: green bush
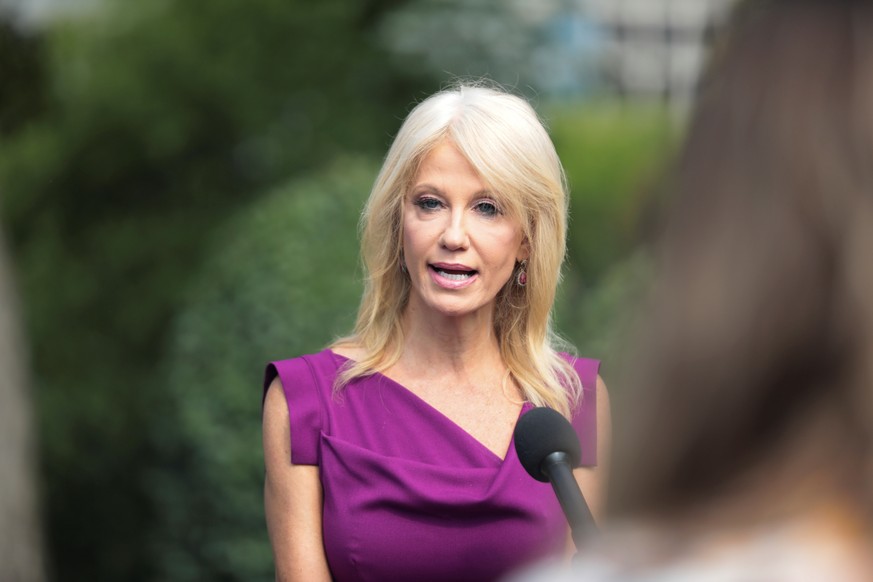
{"points": [[599, 321], [614, 157], [284, 280]]}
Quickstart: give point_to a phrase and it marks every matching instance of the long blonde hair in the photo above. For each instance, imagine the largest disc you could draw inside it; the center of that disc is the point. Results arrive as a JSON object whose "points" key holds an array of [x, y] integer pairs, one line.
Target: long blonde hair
{"points": [[504, 140]]}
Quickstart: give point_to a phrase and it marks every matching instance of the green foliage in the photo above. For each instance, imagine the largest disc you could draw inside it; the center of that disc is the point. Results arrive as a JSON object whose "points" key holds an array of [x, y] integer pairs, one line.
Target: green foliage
{"points": [[284, 280], [599, 320], [151, 123], [21, 77], [613, 157]]}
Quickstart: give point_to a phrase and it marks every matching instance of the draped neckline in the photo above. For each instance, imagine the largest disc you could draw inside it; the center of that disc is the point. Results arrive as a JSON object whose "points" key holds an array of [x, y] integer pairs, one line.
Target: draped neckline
{"points": [[430, 409]]}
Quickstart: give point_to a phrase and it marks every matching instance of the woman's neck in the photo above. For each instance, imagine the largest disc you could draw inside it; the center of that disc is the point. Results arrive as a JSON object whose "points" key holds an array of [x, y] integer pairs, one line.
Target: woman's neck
{"points": [[460, 344]]}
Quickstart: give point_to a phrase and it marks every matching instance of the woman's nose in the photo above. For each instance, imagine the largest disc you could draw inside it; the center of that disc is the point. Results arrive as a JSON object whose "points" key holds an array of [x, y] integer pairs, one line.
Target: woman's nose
{"points": [[455, 236]]}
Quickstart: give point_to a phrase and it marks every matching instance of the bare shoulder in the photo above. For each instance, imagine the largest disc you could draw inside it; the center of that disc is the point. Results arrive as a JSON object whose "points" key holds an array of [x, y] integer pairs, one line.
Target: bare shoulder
{"points": [[274, 402], [275, 423], [592, 480], [602, 394], [604, 421], [292, 499]]}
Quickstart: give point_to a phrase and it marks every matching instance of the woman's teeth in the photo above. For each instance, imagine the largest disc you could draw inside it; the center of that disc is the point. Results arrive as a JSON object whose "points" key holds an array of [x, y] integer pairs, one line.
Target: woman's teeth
{"points": [[454, 276]]}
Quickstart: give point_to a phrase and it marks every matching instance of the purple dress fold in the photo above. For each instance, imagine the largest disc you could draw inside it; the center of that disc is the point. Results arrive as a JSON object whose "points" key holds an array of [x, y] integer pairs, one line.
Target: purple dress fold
{"points": [[408, 494]]}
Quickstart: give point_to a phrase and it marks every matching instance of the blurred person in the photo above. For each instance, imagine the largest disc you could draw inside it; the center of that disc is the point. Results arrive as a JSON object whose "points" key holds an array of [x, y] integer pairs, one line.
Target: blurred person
{"points": [[389, 454], [746, 445], [20, 539]]}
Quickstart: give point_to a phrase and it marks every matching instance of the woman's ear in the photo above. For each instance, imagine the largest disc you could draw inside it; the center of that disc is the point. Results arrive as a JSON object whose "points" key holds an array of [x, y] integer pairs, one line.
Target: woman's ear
{"points": [[523, 251]]}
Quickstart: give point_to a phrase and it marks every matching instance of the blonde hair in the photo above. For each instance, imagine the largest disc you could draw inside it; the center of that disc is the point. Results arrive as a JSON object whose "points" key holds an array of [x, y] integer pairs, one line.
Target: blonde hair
{"points": [[504, 140]]}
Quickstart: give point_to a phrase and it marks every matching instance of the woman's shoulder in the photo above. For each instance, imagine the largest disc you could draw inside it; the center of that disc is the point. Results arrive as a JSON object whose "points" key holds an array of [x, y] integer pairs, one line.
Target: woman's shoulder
{"points": [[301, 388], [325, 354], [303, 368], [588, 369], [574, 358]]}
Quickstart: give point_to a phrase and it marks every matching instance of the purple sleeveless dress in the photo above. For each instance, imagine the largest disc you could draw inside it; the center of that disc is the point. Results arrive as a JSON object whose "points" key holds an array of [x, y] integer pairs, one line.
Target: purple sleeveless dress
{"points": [[408, 494]]}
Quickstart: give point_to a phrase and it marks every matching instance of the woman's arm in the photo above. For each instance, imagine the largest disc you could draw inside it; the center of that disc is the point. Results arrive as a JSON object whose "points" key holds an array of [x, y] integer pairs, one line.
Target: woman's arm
{"points": [[292, 499], [592, 480]]}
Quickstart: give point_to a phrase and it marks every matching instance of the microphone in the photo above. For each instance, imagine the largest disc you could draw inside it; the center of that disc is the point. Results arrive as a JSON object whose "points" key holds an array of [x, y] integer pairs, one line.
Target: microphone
{"points": [[548, 448]]}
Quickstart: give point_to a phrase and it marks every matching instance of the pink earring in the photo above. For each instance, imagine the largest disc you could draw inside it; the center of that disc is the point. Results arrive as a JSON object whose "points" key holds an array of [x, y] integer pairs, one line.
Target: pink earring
{"points": [[521, 278]]}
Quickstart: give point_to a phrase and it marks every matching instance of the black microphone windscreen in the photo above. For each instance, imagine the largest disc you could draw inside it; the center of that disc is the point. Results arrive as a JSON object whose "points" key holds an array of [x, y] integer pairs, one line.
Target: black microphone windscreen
{"points": [[541, 432]]}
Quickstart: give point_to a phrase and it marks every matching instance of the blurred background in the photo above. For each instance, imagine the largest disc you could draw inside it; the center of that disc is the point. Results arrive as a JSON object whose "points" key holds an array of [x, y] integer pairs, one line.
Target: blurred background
{"points": [[180, 183]]}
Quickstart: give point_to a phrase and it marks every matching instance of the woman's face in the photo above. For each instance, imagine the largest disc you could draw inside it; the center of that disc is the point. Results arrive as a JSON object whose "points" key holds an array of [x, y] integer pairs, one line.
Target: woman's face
{"points": [[458, 245]]}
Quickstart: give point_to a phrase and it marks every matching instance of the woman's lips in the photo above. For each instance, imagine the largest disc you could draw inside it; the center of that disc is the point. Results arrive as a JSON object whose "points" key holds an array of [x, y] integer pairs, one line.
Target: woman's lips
{"points": [[452, 276]]}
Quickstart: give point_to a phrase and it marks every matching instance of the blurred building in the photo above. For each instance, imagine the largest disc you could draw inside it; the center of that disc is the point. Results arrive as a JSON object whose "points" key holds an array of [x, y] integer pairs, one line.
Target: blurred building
{"points": [[638, 50], [655, 49]]}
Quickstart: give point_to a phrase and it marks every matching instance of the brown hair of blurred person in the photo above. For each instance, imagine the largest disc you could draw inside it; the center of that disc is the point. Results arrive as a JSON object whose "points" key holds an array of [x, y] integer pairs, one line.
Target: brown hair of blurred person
{"points": [[753, 399]]}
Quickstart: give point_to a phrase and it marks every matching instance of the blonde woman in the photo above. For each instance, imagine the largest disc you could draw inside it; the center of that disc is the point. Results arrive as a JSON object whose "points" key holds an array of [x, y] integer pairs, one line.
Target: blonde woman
{"points": [[389, 455]]}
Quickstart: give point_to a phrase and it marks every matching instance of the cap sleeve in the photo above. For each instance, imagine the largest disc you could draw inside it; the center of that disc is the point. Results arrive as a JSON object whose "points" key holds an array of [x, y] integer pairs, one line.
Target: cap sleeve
{"points": [[304, 407], [584, 418]]}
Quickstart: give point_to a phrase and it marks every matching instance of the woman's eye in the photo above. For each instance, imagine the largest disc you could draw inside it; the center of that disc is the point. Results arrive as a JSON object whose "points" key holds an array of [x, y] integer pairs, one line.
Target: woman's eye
{"points": [[428, 203], [487, 208]]}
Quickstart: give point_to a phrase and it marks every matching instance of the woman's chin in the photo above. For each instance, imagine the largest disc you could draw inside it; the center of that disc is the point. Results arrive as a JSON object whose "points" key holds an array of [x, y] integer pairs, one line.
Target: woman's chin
{"points": [[454, 310]]}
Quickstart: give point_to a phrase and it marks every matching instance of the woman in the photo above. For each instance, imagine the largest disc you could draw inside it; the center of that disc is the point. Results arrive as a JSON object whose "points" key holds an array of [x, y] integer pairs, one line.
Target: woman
{"points": [[389, 454], [754, 392]]}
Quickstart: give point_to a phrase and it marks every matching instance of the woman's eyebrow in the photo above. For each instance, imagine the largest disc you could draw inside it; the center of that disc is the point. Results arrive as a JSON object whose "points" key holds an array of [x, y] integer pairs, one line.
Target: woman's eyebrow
{"points": [[436, 190], [427, 186]]}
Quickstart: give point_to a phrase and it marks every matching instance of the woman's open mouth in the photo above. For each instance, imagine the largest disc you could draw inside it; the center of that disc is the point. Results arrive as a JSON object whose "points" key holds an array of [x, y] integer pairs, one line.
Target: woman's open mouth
{"points": [[452, 276]]}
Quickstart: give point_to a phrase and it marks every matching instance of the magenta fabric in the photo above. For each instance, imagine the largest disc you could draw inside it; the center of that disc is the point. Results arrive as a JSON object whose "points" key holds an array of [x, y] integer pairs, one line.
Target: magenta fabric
{"points": [[408, 494]]}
